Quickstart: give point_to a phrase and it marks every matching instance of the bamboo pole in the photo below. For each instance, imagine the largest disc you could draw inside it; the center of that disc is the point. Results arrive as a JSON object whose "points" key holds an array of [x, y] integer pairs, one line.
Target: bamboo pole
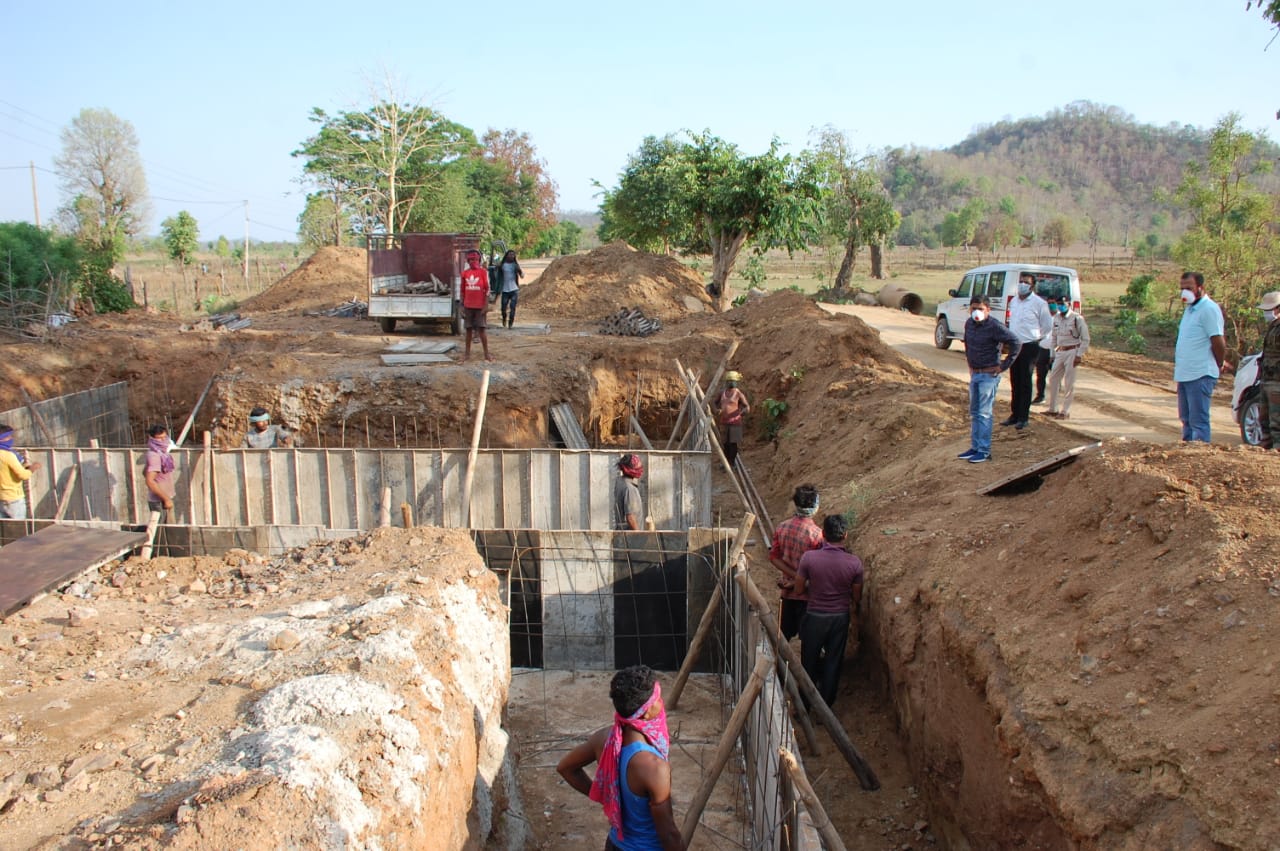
{"points": [[810, 735], [406, 514], [709, 616], [384, 509], [866, 776], [644, 439], [821, 822], [35, 415], [728, 740], [182, 436], [153, 523], [755, 494], [475, 448], [66, 492], [207, 475], [675, 429]]}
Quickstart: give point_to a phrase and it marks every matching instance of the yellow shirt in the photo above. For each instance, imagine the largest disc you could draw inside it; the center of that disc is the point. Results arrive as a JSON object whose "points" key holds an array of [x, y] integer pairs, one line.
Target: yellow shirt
{"points": [[12, 475]]}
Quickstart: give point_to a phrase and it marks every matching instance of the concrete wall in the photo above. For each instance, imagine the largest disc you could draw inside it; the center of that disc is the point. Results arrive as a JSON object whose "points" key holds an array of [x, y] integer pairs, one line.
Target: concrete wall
{"points": [[76, 418], [342, 488]]}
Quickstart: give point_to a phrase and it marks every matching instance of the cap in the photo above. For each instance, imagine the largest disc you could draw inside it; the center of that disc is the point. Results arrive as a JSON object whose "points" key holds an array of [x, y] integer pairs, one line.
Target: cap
{"points": [[733, 375], [1270, 301], [631, 466]]}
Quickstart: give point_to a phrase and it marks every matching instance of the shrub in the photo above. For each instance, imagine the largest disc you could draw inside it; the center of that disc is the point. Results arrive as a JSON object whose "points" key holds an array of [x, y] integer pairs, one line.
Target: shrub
{"points": [[1139, 295]]}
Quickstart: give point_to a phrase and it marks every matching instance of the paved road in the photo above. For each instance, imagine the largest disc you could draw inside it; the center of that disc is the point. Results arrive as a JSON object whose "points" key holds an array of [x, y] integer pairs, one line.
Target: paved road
{"points": [[1105, 407]]}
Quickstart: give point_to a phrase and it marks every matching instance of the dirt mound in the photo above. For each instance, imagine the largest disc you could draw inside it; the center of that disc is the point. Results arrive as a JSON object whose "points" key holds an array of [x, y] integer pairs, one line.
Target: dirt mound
{"points": [[325, 279], [594, 285]]}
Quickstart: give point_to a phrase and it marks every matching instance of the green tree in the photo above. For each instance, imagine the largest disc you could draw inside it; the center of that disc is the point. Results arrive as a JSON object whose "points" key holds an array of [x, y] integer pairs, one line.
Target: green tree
{"points": [[181, 238], [381, 162], [321, 222], [961, 226], [649, 207], [858, 210], [1059, 233], [101, 173], [222, 248], [522, 197], [1231, 237], [1270, 10], [720, 200]]}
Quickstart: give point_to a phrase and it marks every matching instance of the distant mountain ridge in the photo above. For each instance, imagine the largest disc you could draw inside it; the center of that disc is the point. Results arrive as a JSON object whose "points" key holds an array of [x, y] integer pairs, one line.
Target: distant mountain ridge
{"points": [[1090, 164]]}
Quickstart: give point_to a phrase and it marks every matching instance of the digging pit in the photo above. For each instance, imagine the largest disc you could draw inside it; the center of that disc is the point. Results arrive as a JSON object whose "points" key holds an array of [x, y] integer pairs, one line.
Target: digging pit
{"points": [[1090, 665]]}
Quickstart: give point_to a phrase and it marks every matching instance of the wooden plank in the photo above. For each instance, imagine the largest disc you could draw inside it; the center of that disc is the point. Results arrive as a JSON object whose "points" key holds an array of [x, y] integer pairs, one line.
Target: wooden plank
{"points": [[39, 563], [414, 360], [1030, 478]]}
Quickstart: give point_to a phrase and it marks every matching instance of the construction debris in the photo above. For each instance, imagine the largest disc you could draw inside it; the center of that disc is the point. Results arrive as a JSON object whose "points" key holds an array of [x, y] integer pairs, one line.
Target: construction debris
{"points": [[630, 322], [435, 286], [352, 308], [218, 322]]}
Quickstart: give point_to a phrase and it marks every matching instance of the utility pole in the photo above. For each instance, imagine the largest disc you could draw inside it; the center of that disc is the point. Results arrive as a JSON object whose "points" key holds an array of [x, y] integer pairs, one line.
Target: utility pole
{"points": [[246, 245], [35, 196]]}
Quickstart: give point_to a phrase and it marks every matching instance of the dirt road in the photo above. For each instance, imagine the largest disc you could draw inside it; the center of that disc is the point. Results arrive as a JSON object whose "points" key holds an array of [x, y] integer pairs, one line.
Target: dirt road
{"points": [[1105, 407]]}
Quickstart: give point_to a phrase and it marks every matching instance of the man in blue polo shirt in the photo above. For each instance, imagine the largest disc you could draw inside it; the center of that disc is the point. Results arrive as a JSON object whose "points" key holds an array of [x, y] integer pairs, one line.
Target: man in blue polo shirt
{"points": [[1197, 357], [983, 337]]}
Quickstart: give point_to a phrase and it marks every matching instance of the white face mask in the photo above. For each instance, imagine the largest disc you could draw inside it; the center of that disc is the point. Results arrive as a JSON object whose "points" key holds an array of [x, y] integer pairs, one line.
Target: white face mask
{"points": [[1188, 296], [979, 315], [1270, 314], [1024, 290]]}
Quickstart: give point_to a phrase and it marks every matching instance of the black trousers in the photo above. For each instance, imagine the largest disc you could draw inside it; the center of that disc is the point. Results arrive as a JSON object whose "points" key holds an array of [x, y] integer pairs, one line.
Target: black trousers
{"points": [[1044, 360], [1020, 378], [822, 640]]}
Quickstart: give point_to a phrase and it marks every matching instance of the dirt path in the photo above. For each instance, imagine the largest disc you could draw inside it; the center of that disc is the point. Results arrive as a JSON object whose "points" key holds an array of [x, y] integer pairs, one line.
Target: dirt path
{"points": [[1105, 407]]}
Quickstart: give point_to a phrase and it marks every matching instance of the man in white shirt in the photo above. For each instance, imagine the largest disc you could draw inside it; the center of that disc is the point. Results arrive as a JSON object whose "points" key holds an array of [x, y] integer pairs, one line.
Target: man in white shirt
{"points": [[1031, 322]]}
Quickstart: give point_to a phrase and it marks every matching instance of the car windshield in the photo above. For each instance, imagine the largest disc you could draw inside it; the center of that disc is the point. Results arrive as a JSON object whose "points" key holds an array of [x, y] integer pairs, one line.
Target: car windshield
{"points": [[1050, 286]]}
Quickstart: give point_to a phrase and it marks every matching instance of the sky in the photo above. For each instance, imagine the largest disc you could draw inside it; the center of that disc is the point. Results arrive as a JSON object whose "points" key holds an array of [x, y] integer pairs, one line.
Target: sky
{"points": [[220, 94]]}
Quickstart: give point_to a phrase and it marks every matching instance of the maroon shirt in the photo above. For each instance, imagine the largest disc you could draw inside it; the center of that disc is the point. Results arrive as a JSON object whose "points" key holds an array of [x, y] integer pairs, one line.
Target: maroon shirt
{"points": [[831, 572]]}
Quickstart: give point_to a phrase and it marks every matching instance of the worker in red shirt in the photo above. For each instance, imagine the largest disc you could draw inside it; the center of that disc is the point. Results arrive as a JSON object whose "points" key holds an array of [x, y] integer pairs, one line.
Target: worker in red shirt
{"points": [[475, 302]]}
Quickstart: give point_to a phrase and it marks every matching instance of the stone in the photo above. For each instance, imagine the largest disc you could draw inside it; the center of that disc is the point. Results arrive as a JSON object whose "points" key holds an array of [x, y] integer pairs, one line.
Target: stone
{"points": [[54, 796], [197, 586], [119, 579], [48, 777], [284, 640], [185, 813], [184, 748], [1233, 620], [79, 616]]}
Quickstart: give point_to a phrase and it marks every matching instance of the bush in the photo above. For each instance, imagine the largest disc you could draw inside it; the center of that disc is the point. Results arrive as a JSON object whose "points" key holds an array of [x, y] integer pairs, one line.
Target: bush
{"points": [[1126, 321], [753, 271], [1136, 343], [1139, 295]]}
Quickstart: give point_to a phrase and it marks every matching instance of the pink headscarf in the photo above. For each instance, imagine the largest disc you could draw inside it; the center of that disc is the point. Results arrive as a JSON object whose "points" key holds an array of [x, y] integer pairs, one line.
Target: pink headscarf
{"points": [[606, 789]]}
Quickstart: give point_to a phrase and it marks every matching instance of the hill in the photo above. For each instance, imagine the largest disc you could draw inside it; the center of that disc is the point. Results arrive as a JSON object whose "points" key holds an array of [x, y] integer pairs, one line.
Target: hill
{"points": [[1094, 166]]}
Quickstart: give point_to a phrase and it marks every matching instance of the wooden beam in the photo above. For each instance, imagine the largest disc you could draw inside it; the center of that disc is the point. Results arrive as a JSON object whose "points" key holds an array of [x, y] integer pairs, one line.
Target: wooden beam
{"points": [[66, 492], [644, 439], [728, 741], [709, 615], [475, 448], [35, 415], [191, 418], [821, 822], [866, 776]]}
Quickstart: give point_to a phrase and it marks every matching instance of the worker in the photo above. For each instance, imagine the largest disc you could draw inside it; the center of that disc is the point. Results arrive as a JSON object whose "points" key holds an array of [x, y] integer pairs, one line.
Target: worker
{"points": [[1269, 372], [832, 578], [731, 406], [794, 537], [475, 303], [1070, 341], [628, 509], [14, 470], [633, 776], [263, 435], [510, 273], [158, 470]]}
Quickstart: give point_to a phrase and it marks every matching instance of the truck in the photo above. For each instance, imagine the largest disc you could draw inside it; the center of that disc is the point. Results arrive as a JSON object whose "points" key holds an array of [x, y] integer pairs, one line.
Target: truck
{"points": [[417, 277]]}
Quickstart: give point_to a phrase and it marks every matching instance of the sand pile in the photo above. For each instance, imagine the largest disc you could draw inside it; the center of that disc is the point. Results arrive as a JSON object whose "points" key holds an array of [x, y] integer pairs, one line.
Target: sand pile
{"points": [[325, 279], [594, 285]]}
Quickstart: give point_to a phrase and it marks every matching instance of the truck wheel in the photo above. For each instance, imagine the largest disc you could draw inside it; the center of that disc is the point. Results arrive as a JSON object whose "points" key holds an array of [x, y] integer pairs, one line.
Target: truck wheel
{"points": [[941, 334], [388, 324]]}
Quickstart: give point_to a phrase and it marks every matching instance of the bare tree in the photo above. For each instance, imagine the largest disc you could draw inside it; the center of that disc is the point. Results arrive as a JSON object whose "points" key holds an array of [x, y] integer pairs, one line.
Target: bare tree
{"points": [[102, 176]]}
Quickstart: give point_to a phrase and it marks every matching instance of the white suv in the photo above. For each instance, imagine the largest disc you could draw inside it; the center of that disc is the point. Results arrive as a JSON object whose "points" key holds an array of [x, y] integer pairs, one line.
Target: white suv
{"points": [[999, 282]]}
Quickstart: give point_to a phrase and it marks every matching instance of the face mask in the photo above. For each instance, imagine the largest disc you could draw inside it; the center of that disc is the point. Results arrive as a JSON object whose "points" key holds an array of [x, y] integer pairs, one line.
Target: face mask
{"points": [[1188, 296], [1024, 290], [1270, 314], [979, 315]]}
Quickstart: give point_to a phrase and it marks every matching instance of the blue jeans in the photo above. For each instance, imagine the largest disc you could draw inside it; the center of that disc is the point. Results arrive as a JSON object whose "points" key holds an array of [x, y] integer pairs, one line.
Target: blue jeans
{"points": [[982, 399], [509, 302], [1193, 407]]}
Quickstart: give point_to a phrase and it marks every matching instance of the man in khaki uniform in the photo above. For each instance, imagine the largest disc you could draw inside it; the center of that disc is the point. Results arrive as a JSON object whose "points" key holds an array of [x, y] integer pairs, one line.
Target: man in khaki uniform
{"points": [[1269, 372], [1070, 340]]}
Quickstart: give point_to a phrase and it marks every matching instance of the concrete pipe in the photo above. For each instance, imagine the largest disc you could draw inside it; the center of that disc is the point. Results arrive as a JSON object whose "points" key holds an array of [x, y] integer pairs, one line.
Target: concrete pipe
{"points": [[892, 295]]}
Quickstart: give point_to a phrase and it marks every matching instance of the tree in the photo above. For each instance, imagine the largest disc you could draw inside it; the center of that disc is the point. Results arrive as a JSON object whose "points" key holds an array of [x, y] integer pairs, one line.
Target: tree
{"points": [[1059, 233], [101, 172], [321, 222], [181, 238], [1231, 237], [523, 197], [716, 201], [857, 206], [381, 162], [961, 226]]}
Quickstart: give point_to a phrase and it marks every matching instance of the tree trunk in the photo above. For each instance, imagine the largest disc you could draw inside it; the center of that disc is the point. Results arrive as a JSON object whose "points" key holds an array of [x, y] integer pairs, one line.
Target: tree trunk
{"points": [[846, 263], [877, 261], [724, 253]]}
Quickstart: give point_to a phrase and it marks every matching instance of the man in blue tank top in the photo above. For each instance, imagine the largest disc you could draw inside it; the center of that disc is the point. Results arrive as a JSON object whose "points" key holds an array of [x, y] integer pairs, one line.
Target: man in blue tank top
{"points": [[633, 777]]}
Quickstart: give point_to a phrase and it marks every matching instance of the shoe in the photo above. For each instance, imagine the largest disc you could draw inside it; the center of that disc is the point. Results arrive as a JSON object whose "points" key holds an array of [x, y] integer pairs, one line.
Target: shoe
{"points": [[1020, 426], [1039, 400], [967, 454], [979, 457], [1062, 416], [1009, 422]]}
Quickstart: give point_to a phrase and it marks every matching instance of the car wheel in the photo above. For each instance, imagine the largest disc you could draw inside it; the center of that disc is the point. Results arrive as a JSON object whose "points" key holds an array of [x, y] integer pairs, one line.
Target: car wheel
{"points": [[388, 324], [942, 334], [1251, 421]]}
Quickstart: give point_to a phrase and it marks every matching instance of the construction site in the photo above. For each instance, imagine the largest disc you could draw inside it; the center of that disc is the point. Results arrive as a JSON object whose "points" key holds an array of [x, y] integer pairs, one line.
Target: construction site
{"points": [[388, 635]]}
